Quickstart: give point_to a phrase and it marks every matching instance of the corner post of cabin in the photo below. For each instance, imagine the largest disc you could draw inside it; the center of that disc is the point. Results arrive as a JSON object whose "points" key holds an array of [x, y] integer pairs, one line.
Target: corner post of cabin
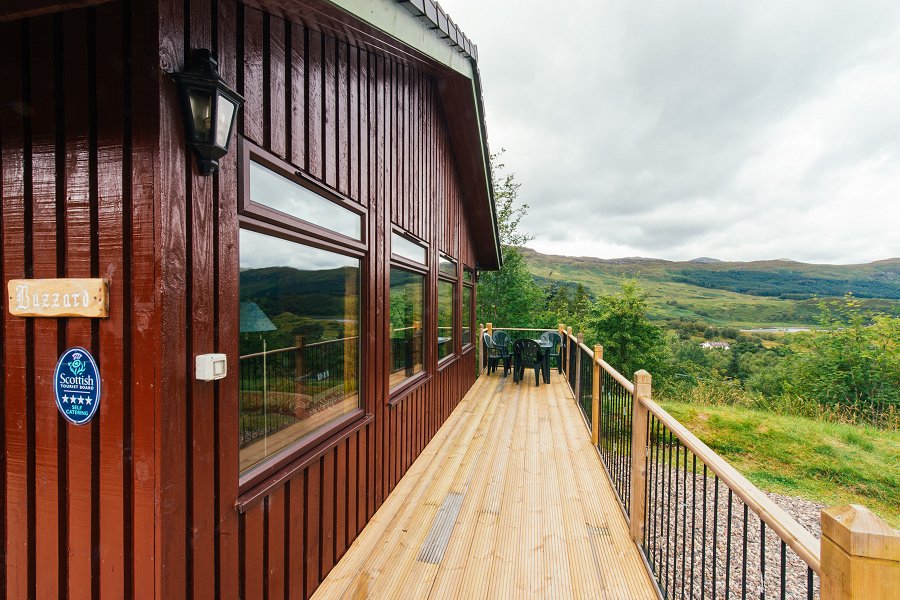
{"points": [[860, 556], [480, 348], [595, 395], [577, 391], [639, 435]]}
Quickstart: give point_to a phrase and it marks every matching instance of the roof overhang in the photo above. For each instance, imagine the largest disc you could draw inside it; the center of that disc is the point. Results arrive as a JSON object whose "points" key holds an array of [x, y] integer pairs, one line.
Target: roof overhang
{"points": [[419, 32]]}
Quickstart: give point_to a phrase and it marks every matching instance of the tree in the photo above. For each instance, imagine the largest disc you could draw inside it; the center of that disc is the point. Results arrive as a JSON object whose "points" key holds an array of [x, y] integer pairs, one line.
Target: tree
{"points": [[509, 212], [851, 363], [630, 340], [510, 296]]}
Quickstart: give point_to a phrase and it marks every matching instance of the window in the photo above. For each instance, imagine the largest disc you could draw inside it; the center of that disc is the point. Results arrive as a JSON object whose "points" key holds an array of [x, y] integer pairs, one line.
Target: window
{"points": [[468, 300], [446, 306], [299, 344], [270, 189], [407, 308], [446, 292], [406, 248], [407, 314]]}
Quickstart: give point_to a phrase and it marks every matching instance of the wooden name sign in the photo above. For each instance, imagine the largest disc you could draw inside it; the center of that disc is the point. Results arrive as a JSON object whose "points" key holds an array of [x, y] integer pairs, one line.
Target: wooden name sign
{"points": [[59, 298]]}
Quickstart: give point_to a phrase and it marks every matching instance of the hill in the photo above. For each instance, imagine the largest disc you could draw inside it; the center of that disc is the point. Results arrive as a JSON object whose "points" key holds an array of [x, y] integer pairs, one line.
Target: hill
{"points": [[759, 293]]}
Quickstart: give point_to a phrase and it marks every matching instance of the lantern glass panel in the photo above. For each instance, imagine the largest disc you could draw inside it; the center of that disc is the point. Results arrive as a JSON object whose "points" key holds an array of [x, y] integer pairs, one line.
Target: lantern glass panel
{"points": [[201, 111], [224, 115]]}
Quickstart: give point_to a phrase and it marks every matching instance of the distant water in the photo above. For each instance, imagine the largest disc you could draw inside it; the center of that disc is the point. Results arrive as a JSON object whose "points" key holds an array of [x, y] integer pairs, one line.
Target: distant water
{"points": [[776, 330]]}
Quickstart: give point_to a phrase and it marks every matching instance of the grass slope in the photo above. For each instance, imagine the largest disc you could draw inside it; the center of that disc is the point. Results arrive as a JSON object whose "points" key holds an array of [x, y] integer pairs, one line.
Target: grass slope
{"points": [[825, 462], [673, 294]]}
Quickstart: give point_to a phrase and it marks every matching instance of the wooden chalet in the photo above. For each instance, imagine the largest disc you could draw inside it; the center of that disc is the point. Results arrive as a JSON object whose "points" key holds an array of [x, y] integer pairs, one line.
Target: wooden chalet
{"points": [[330, 258], [240, 240]]}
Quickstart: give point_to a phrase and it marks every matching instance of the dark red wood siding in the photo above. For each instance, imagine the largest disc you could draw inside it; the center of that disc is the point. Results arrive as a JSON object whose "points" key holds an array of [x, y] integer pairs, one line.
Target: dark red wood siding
{"points": [[97, 181]]}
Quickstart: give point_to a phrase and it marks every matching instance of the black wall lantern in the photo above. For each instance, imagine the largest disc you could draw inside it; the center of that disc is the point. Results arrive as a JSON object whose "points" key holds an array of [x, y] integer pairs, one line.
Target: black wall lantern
{"points": [[209, 107]]}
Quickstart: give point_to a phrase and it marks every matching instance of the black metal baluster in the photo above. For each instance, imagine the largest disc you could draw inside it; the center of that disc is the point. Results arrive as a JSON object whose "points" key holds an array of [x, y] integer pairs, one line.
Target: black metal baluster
{"points": [[654, 451], [809, 583], [783, 569], [693, 518], [728, 548], [684, 522], [668, 506], [703, 545], [744, 559], [715, 532], [675, 502], [762, 559], [629, 418]]}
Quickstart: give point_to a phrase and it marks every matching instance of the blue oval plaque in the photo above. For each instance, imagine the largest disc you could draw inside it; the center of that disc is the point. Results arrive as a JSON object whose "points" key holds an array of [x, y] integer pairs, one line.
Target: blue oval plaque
{"points": [[77, 385]]}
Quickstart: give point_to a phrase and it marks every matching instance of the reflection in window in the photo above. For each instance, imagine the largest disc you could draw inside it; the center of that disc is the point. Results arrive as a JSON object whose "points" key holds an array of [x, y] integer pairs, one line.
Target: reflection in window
{"points": [[446, 267], [446, 292], [407, 306], [299, 342], [468, 275], [467, 315], [406, 248], [273, 190]]}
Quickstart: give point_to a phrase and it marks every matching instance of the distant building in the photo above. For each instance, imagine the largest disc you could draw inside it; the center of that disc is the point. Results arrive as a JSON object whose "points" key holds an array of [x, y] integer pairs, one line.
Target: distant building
{"points": [[721, 345]]}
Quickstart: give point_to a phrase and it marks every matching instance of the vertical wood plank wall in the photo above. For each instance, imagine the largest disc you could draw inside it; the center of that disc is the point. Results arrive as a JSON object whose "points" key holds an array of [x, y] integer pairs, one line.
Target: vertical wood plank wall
{"points": [[96, 181], [77, 153]]}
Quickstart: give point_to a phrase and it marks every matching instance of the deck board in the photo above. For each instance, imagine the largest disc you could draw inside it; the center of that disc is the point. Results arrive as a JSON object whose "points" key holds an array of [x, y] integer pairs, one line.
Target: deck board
{"points": [[538, 518]]}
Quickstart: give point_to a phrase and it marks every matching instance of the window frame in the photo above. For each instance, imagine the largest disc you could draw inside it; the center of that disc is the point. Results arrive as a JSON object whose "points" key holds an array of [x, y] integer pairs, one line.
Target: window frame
{"points": [[467, 285], [246, 206], [401, 390], [455, 303], [261, 219]]}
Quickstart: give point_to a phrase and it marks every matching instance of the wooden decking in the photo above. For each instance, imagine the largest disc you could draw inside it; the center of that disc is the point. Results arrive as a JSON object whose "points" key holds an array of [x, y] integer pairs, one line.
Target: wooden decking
{"points": [[508, 500]]}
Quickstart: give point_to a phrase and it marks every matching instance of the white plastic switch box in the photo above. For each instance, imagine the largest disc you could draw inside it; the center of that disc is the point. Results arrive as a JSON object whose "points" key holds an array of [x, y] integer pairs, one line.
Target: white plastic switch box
{"points": [[211, 366]]}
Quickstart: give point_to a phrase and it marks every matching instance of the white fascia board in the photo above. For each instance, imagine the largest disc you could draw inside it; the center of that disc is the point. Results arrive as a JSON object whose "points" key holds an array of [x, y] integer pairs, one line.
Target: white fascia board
{"points": [[397, 22]]}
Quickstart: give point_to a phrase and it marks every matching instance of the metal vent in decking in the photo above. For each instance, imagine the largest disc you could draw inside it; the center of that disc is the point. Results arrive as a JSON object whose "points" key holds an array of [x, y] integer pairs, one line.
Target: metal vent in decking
{"points": [[439, 535]]}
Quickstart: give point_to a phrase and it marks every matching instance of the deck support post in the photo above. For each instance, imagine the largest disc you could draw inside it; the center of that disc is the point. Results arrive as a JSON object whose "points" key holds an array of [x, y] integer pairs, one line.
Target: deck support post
{"points": [[595, 395], [860, 555], [639, 436], [480, 348]]}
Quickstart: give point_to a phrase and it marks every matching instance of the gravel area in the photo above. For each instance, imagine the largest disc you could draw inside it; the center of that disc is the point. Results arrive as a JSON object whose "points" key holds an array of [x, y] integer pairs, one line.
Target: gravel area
{"points": [[716, 549]]}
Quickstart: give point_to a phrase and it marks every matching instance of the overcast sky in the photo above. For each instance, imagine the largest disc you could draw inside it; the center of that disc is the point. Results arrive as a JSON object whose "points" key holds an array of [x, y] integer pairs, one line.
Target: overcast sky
{"points": [[740, 130]]}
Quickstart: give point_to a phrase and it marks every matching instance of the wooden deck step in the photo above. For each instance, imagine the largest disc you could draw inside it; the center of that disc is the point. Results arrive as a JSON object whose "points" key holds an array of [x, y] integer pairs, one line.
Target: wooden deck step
{"points": [[509, 500]]}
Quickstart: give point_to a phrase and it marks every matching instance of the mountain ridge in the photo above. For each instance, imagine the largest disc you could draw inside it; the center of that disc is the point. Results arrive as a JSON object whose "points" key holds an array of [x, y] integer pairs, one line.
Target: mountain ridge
{"points": [[753, 293]]}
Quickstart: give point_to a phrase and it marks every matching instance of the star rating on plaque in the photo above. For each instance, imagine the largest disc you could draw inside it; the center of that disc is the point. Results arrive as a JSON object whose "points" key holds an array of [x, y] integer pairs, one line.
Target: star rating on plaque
{"points": [[77, 400]]}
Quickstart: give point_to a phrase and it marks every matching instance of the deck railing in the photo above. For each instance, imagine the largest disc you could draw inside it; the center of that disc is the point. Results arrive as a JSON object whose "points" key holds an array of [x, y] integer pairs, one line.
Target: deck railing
{"points": [[703, 529], [278, 387]]}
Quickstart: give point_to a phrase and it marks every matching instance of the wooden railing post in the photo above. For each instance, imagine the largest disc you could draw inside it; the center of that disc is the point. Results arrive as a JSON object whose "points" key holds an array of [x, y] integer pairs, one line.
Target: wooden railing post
{"points": [[490, 329], [577, 391], [595, 395], [480, 348], [563, 347], [860, 555], [639, 436]]}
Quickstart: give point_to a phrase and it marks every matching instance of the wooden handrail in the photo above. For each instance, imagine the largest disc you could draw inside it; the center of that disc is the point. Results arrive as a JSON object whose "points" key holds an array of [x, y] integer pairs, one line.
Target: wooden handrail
{"points": [[522, 329], [788, 529], [617, 376], [288, 349], [323, 342]]}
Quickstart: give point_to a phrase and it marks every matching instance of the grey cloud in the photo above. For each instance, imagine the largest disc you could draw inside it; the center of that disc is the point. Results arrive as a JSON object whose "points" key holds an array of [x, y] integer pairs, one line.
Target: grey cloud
{"points": [[697, 127]]}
